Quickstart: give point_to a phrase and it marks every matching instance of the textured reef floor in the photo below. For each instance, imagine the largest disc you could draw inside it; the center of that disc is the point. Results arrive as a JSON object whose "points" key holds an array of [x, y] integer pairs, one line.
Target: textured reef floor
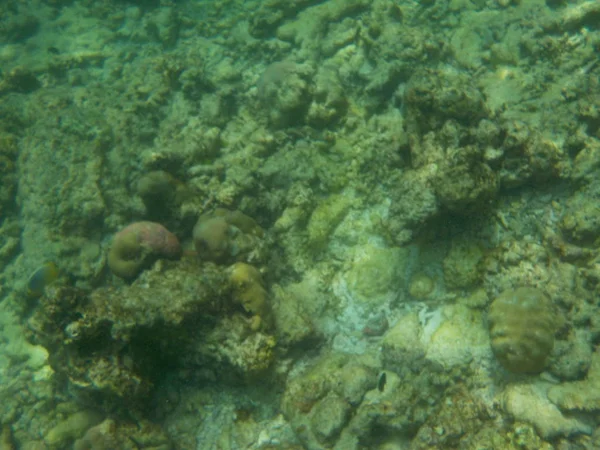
{"points": [[299, 224]]}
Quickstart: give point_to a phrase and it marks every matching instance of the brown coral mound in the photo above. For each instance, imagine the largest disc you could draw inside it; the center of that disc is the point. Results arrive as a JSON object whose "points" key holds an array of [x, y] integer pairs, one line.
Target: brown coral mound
{"points": [[522, 324], [139, 245]]}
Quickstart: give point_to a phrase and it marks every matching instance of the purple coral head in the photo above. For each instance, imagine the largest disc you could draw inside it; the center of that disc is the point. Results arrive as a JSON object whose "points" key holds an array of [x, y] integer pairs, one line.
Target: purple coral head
{"points": [[138, 245], [153, 237]]}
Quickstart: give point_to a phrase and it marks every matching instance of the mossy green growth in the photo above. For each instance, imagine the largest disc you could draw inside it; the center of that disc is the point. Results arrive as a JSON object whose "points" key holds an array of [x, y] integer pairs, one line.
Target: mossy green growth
{"points": [[326, 217]]}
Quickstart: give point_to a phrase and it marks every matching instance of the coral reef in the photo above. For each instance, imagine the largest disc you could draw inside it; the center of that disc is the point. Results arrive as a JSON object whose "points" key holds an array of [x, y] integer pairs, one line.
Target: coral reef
{"points": [[399, 165], [113, 344]]}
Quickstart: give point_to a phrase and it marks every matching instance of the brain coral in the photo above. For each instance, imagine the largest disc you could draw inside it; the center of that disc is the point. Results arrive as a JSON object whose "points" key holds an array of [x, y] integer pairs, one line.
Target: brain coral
{"points": [[522, 323], [138, 245]]}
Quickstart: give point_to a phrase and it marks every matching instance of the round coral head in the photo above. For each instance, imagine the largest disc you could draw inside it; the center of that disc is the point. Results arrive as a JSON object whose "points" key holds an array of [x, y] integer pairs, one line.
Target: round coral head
{"points": [[138, 245]]}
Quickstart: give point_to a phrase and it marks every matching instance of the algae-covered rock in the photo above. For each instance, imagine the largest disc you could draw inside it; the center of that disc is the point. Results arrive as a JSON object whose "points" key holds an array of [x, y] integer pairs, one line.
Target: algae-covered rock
{"points": [[414, 203], [457, 172], [319, 401], [328, 417], [105, 342], [464, 182], [326, 217], [397, 409], [377, 274], [270, 14], [529, 403], [571, 357], [452, 336], [330, 102], [461, 416], [293, 324], [235, 350], [402, 346], [112, 345], [528, 156], [284, 88], [434, 96], [421, 286], [460, 338], [461, 265], [7, 441], [522, 324], [581, 222], [111, 434], [581, 395]]}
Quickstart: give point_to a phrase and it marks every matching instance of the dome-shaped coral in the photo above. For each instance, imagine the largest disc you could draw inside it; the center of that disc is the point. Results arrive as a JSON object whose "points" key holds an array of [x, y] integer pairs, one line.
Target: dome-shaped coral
{"points": [[522, 323], [138, 245], [225, 236]]}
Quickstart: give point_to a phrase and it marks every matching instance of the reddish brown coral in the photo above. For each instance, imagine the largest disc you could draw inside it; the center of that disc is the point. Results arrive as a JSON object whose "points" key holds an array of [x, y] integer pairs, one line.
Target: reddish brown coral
{"points": [[140, 244]]}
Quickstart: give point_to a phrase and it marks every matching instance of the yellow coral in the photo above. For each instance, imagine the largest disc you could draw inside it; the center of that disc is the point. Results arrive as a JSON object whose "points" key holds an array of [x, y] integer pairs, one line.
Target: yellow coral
{"points": [[249, 292]]}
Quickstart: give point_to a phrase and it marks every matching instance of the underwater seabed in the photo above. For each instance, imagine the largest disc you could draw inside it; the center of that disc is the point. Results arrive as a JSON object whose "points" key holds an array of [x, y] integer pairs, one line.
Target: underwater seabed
{"points": [[299, 224]]}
